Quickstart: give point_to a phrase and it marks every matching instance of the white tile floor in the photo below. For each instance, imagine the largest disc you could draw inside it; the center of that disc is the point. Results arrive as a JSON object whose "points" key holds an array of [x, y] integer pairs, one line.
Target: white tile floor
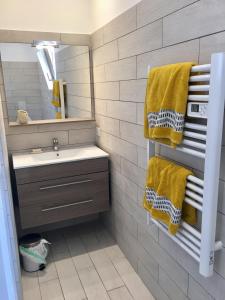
{"points": [[85, 263]]}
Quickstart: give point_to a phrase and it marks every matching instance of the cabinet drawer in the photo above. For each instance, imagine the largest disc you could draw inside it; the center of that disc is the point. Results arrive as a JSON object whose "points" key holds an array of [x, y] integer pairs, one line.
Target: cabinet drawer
{"points": [[62, 191], [36, 215], [61, 170]]}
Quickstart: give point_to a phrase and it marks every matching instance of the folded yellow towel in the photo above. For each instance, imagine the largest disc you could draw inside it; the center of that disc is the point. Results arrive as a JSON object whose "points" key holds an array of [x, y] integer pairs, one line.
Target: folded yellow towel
{"points": [[165, 192], [56, 99], [165, 103]]}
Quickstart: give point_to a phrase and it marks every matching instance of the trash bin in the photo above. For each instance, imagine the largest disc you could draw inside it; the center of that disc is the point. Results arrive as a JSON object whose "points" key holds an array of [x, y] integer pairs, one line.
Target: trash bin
{"points": [[34, 250]]}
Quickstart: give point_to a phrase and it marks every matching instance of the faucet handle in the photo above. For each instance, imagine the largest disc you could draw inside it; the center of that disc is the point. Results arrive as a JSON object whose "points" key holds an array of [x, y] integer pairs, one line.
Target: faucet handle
{"points": [[55, 141]]}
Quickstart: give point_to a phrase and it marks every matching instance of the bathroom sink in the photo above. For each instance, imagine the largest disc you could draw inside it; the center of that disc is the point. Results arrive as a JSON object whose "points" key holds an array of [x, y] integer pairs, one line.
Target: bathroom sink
{"points": [[52, 157]]}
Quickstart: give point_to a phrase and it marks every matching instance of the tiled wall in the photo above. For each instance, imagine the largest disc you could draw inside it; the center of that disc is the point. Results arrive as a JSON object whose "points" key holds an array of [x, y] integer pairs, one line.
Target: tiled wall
{"points": [[21, 138], [21, 81], [153, 32], [73, 66]]}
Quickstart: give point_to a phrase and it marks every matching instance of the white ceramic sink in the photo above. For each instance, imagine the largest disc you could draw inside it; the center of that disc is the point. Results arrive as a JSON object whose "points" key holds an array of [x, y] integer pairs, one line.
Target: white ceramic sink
{"points": [[52, 157]]}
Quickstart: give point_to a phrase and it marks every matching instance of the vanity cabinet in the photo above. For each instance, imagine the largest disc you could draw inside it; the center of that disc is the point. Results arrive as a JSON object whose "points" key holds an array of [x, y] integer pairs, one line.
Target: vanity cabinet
{"points": [[58, 192]]}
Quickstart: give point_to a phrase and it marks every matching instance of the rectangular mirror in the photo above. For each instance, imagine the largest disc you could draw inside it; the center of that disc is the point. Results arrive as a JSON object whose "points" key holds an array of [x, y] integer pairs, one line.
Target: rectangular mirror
{"points": [[46, 81]]}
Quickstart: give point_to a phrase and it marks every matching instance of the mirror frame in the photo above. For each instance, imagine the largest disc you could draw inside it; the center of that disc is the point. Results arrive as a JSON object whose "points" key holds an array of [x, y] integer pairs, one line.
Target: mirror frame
{"points": [[27, 37]]}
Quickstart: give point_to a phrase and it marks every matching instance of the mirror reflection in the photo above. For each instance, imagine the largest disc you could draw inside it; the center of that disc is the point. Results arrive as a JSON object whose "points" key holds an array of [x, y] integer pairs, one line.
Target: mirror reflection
{"points": [[46, 81]]}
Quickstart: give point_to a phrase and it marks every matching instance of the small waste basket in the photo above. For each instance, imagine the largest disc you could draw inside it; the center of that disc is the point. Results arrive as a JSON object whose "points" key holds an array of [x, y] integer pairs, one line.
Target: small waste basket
{"points": [[34, 250]]}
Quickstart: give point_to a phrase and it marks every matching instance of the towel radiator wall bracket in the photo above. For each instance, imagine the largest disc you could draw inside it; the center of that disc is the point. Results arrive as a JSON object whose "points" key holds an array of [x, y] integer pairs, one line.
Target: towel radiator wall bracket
{"points": [[206, 145]]}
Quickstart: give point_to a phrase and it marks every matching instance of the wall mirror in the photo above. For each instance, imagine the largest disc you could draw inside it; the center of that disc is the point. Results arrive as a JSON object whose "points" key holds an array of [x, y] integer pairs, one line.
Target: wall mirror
{"points": [[46, 82]]}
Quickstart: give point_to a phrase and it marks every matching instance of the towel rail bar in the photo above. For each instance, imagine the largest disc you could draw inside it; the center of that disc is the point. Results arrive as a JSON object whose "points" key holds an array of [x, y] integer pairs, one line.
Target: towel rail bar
{"points": [[194, 135], [194, 188], [198, 88], [195, 126], [196, 180], [193, 203], [194, 196], [193, 144], [200, 78], [199, 98], [201, 68]]}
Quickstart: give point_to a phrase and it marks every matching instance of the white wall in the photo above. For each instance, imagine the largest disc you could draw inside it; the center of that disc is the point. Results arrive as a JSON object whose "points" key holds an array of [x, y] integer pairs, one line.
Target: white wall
{"points": [[104, 11], [72, 16]]}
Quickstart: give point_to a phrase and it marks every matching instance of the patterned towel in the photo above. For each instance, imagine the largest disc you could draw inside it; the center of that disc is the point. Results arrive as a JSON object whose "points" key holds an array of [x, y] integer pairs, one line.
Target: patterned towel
{"points": [[165, 192], [165, 103]]}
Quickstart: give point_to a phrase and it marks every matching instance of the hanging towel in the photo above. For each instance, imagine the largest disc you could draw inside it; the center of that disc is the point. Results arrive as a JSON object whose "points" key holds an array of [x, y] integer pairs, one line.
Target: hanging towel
{"points": [[165, 103], [165, 192], [56, 99]]}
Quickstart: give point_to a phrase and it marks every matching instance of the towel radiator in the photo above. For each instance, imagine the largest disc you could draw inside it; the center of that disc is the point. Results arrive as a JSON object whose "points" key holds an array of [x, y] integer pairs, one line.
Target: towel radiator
{"points": [[204, 141]]}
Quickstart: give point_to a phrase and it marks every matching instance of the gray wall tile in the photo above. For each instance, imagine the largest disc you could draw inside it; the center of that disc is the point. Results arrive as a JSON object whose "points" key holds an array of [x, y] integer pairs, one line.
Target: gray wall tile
{"points": [[142, 40], [211, 44], [188, 51], [149, 11], [105, 54], [123, 69], [196, 292], [107, 90], [121, 25], [205, 17], [133, 90]]}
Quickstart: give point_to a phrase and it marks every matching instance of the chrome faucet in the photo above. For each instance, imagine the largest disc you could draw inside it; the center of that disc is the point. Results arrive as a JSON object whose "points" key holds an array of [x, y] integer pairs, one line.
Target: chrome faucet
{"points": [[55, 143]]}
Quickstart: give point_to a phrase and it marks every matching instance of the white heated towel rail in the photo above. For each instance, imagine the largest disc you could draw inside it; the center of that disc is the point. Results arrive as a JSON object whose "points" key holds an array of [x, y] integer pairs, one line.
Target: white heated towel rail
{"points": [[206, 84]]}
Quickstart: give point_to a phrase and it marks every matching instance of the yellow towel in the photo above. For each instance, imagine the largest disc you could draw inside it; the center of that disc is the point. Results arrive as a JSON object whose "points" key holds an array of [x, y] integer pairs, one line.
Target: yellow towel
{"points": [[165, 103], [165, 192], [56, 99]]}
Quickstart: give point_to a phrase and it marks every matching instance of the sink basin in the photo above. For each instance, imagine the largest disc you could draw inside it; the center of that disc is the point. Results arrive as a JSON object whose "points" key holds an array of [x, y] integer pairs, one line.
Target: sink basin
{"points": [[52, 157]]}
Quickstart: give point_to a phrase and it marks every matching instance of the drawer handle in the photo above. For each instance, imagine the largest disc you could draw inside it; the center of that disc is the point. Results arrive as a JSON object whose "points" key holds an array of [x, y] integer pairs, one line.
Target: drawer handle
{"points": [[64, 184], [67, 205]]}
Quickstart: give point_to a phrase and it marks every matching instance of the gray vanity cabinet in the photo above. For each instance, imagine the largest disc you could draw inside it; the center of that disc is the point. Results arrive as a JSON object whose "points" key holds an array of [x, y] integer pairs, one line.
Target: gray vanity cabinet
{"points": [[59, 192]]}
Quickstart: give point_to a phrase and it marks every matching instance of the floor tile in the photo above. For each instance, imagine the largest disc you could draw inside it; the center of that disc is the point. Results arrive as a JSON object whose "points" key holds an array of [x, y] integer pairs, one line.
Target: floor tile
{"points": [[92, 284], [49, 273], [107, 272], [133, 282], [121, 293], [30, 285], [79, 254], [51, 290], [65, 268], [72, 288]]}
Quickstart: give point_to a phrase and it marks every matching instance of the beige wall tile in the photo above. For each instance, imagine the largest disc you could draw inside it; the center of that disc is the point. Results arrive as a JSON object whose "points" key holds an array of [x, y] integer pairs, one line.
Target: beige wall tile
{"points": [[124, 69], [149, 11], [170, 288], [16, 36], [121, 25], [133, 90], [82, 136], [140, 113], [108, 125], [183, 52], [122, 110], [205, 17], [132, 133], [35, 140], [196, 292], [97, 38], [107, 90], [211, 44], [75, 39], [99, 73], [142, 40], [105, 54], [101, 106]]}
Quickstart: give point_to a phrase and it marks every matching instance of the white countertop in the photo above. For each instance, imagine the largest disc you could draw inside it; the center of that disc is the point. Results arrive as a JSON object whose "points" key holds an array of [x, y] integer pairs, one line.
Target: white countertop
{"points": [[55, 157]]}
